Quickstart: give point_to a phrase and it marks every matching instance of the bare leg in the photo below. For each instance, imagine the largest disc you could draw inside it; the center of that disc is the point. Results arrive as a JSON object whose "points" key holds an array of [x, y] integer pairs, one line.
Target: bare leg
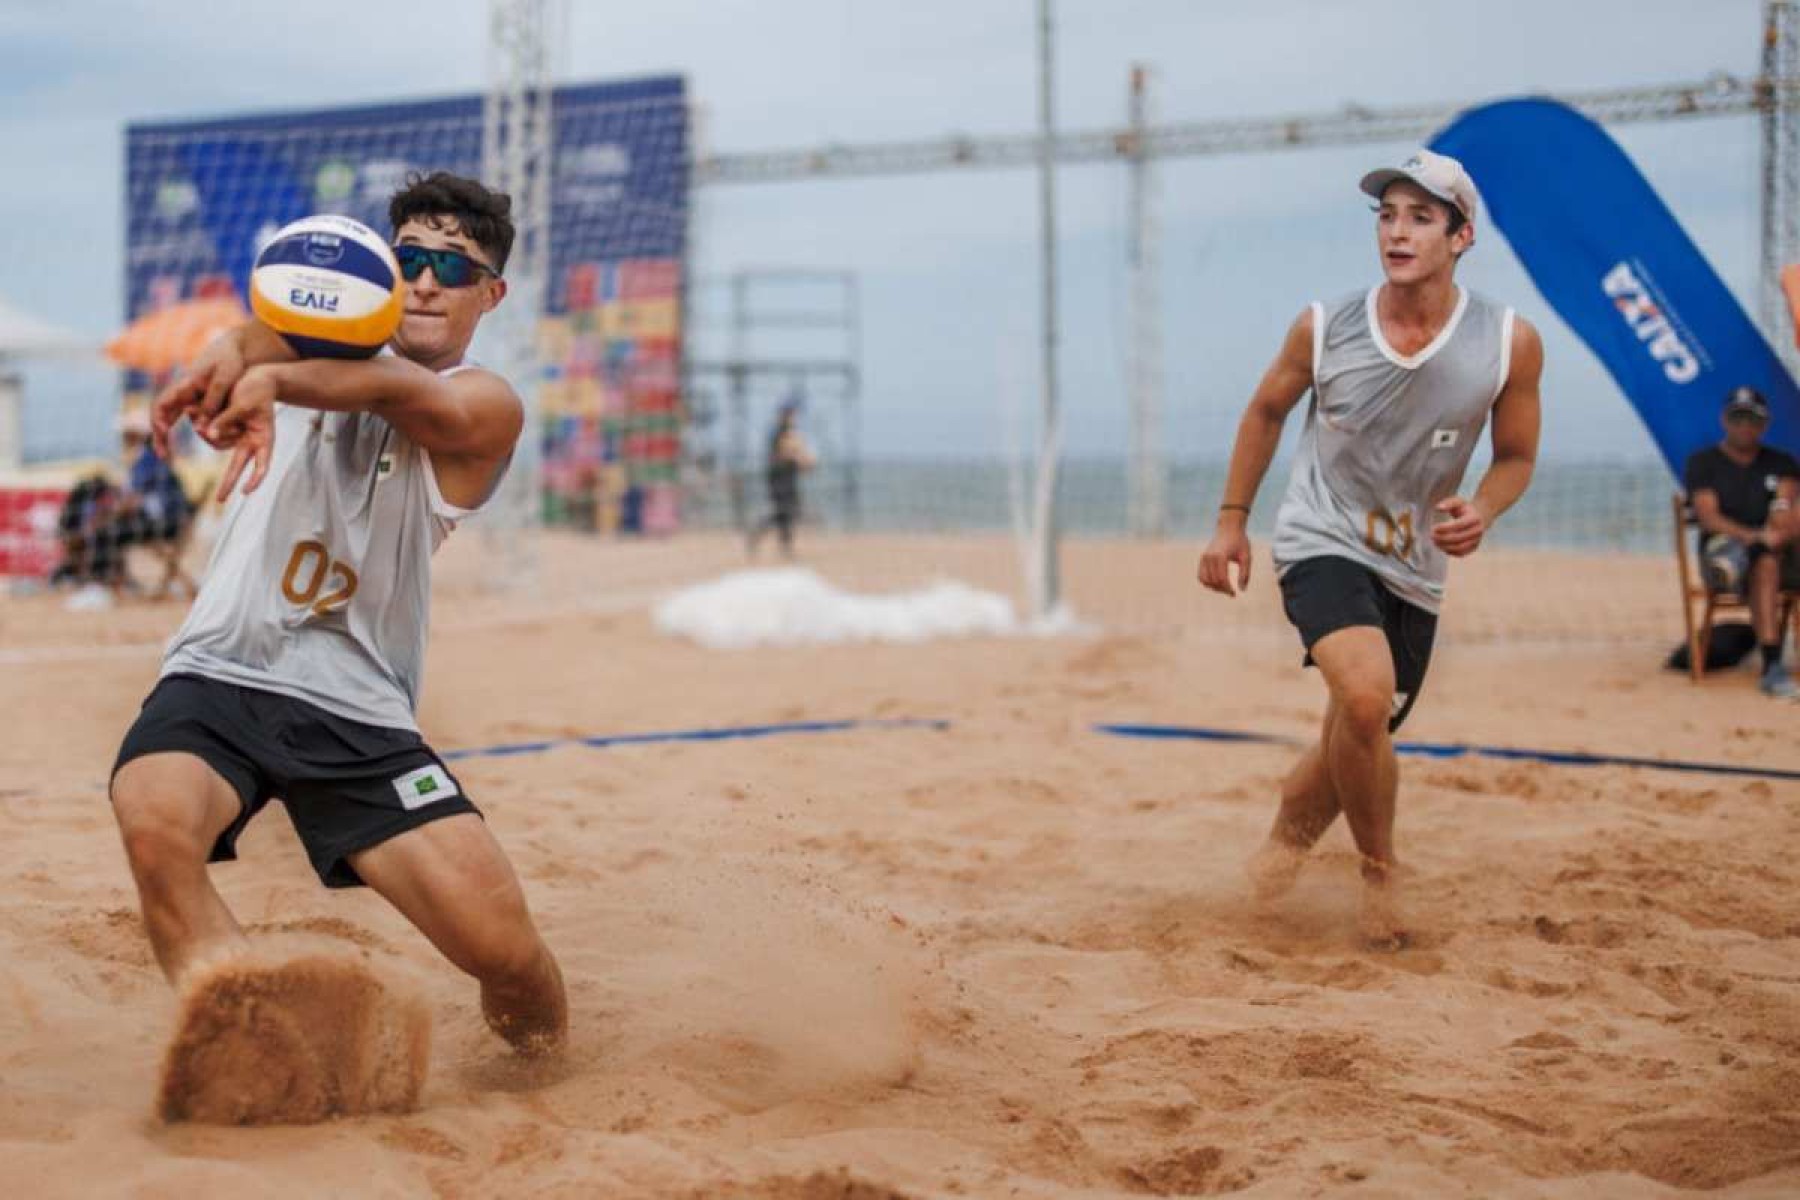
{"points": [[451, 879], [1359, 669], [1765, 599], [1309, 805], [1765, 615], [171, 808]]}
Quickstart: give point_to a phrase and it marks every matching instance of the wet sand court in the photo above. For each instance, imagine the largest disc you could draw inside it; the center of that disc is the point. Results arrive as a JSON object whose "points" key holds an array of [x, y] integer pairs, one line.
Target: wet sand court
{"points": [[971, 946]]}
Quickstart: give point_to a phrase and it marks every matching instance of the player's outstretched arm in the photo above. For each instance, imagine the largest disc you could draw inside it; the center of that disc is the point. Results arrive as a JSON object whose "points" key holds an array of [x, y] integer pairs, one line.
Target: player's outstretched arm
{"points": [[1259, 432], [1712, 519], [1515, 423], [468, 421]]}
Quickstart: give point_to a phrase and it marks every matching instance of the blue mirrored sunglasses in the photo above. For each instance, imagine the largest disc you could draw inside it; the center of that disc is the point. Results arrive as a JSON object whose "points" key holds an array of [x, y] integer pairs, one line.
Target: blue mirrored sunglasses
{"points": [[451, 268]]}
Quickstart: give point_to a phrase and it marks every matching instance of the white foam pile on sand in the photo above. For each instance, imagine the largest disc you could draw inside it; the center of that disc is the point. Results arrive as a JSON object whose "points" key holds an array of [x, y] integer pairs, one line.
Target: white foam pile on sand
{"points": [[793, 606]]}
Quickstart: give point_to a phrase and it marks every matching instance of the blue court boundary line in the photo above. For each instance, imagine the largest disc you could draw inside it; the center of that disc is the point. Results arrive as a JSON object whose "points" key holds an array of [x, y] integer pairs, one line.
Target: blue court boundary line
{"points": [[730, 733], [1557, 758]]}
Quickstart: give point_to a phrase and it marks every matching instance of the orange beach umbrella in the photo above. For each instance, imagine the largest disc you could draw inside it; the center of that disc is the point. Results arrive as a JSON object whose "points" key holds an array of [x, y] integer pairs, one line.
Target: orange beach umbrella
{"points": [[161, 341]]}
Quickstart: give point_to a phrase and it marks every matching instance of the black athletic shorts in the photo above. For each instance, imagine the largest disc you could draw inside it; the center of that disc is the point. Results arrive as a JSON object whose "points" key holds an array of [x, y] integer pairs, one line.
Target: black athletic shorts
{"points": [[1324, 595], [1741, 557], [346, 786]]}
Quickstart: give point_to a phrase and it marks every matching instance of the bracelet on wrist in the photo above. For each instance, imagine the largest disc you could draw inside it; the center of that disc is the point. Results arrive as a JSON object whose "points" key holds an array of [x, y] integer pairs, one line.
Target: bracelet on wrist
{"points": [[1243, 508]]}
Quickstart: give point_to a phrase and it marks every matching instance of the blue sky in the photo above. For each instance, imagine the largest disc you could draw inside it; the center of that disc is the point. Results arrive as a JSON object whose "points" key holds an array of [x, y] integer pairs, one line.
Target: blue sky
{"points": [[946, 263]]}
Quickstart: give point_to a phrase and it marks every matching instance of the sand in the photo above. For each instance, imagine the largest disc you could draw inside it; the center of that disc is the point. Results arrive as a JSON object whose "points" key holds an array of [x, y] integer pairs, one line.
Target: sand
{"points": [[1008, 957], [283, 1032]]}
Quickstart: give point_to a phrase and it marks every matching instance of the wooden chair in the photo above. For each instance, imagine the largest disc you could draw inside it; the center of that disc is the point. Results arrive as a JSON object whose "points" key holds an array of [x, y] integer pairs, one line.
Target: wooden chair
{"points": [[1701, 606], [168, 556]]}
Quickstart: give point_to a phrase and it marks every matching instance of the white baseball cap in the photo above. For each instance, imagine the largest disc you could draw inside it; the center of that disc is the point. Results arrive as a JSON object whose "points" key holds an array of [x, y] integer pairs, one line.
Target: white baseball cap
{"points": [[1438, 174]]}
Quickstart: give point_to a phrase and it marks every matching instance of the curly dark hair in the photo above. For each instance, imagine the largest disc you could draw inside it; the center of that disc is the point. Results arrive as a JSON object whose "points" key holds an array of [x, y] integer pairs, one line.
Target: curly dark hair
{"points": [[481, 214]]}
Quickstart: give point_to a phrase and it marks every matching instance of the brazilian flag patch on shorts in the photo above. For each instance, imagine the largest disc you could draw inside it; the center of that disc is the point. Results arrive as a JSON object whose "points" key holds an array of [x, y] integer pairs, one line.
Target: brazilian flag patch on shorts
{"points": [[427, 785]]}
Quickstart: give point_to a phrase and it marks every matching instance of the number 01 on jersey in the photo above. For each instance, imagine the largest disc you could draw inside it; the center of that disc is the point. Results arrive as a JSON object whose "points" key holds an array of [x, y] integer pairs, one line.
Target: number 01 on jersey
{"points": [[1384, 533]]}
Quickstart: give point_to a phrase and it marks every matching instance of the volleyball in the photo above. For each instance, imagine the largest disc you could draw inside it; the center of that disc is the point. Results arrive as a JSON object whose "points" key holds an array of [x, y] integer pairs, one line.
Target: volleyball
{"points": [[330, 286]]}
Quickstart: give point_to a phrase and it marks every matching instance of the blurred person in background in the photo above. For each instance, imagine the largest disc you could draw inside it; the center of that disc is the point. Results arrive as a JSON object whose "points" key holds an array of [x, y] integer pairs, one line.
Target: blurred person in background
{"points": [[789, 456], [1743, 494], [100, 522], [152, 508]]}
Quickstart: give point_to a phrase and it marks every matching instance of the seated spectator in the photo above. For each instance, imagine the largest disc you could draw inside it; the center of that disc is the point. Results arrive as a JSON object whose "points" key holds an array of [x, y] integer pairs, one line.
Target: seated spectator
{"points": [[99, 521], [87, 506], [1743, 495]]}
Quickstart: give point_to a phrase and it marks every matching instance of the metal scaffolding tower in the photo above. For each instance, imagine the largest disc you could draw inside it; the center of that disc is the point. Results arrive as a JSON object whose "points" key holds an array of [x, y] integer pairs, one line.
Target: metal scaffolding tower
{"points": [[516, 146], [1774, 95], [1046, 584], [1719, 95], [1148, 510], [1780, 171], [823, 309]]}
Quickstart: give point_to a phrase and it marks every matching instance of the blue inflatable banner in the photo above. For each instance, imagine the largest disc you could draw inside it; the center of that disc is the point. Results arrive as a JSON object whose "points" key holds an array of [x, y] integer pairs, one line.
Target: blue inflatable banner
{"points": [[1611, 259]]}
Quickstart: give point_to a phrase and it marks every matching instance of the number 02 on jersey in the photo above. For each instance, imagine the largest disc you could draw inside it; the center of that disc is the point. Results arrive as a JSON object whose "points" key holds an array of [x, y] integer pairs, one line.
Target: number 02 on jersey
{"points": [[310, 571]]}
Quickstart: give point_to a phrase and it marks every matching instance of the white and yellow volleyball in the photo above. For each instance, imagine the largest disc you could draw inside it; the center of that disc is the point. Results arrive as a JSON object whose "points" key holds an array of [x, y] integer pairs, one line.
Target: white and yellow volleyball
{"points": [[330, 286]]}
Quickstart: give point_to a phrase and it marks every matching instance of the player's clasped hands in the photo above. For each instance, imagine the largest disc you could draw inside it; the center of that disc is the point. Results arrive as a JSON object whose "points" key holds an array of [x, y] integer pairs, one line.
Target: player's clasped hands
{"points": [[198, 392], [246, 427], [230, 407]]}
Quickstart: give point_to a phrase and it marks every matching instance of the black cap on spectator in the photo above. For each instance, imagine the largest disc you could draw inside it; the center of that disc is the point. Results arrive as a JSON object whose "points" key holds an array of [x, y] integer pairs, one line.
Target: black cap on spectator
{"points": [[1747, 400]]}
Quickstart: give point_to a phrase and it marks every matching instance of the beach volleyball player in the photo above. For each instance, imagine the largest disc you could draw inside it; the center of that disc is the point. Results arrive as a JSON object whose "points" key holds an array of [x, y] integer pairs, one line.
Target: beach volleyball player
{"points": [[297, 671], [1403, 378]]}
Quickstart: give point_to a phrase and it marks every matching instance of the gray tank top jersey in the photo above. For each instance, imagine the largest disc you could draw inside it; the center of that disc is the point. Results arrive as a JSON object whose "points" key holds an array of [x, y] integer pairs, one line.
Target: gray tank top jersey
{"points": [[319, 586], [1387, 437]]}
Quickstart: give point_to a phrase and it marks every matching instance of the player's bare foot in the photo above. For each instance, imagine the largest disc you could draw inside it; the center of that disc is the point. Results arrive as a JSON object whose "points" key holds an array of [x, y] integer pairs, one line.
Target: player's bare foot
{"points": [[532, 1043], [531, 1014], [1380, 922], [264, 1040], [1273, 870]]}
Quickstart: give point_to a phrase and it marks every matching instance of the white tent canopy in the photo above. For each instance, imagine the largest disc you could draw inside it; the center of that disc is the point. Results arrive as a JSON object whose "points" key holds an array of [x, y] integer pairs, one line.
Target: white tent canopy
{"points": [[25, 336]]}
